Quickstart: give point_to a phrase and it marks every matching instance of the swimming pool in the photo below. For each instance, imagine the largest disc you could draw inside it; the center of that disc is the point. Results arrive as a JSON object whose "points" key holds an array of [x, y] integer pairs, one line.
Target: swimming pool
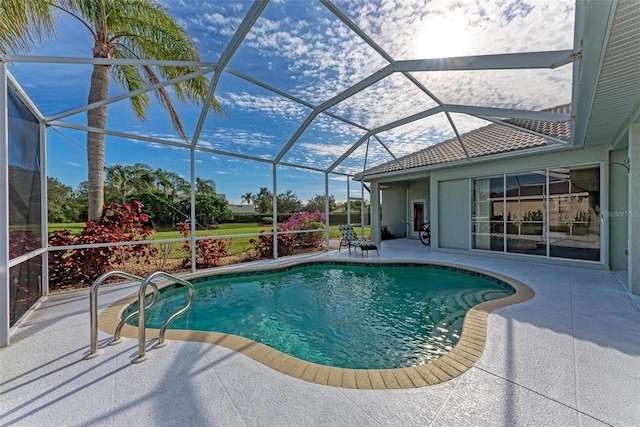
{"points": [[339, 314]]}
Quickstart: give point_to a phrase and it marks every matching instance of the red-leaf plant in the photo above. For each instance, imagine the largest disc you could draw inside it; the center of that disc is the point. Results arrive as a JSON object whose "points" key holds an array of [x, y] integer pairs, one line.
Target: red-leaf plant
{"points": [[119, 223], [209, 252]]}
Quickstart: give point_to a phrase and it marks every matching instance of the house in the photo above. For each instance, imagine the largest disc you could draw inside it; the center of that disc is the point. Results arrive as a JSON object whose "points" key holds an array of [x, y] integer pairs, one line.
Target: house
{"points": [[242, 209], [562, 187]]}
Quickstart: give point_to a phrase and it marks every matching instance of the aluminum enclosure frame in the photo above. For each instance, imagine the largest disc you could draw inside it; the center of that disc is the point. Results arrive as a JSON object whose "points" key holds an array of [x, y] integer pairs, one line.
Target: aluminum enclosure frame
{"points": [[528, 60]]}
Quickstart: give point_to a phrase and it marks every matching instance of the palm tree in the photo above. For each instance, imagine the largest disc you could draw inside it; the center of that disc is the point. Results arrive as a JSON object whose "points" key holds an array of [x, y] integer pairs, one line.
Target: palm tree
{"points": [[117, 177], [205, 186], [141, 178], [127, 29], [163, 181], [138, 177], [247, 197], [177, 185]]}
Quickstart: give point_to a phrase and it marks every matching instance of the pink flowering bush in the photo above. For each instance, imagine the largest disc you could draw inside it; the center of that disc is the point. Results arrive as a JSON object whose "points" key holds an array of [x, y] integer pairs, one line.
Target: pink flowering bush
{"points": [[289, 242], [306, 221]]}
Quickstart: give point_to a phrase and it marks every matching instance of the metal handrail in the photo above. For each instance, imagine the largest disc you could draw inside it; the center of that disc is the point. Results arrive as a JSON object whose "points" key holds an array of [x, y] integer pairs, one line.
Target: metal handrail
{"points": [[142, 356], [117, 336], [93, 307]]}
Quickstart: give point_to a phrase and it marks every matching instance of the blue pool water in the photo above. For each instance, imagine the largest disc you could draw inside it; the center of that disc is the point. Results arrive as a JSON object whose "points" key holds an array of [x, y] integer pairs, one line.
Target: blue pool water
{"points": [[366, 316]]}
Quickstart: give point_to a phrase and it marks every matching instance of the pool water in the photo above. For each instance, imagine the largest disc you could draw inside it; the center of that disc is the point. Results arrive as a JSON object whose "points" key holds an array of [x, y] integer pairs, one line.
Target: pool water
{"points": [[347, 316]]}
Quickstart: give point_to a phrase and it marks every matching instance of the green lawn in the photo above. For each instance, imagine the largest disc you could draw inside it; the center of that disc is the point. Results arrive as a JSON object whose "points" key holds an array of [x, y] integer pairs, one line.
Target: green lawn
{"points": [[239, 244], [75, 227]]}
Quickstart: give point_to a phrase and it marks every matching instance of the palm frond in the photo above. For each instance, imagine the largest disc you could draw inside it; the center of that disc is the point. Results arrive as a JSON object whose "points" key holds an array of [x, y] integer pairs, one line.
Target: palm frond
{"points": [[148, 31], [25, 23], [129, 77]]}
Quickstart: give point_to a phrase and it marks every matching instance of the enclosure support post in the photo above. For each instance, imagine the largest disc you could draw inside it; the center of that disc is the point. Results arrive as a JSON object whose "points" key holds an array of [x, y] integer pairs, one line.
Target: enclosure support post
{"points": [[44, 211], [375, 212], [4, 212], [348, 201], [326, 210], [193, 210], [275, 211], [362, 223]]}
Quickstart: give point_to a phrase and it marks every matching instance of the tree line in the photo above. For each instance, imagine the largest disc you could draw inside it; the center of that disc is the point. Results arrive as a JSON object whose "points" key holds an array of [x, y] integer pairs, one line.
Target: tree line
{"points": [[167, 197], [288, 202]]}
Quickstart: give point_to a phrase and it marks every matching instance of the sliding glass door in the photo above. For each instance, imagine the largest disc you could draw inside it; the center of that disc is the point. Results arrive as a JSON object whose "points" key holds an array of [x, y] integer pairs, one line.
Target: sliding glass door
{"points": [[574, 206], [551, 213]]}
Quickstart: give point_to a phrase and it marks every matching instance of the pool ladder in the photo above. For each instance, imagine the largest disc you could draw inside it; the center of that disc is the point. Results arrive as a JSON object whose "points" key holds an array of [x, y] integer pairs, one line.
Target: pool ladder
{"points": [[142, 293]]}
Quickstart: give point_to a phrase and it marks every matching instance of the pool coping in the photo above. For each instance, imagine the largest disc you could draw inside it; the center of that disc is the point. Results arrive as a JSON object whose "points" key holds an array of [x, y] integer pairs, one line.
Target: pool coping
{"points": [[461, 358]]}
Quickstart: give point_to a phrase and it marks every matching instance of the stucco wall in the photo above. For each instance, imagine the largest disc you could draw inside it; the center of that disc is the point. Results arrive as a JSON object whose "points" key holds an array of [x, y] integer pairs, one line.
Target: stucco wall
{"points": [[420, 190], [618, 206], [394, 210], [453, 214]]}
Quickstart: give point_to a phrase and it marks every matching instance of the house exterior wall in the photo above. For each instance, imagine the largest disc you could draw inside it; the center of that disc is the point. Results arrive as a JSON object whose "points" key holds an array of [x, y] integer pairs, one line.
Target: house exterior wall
{"points": [[450, 199], [618, 205], [418, 190], [633, 210], [394, 210], [453, 214]]}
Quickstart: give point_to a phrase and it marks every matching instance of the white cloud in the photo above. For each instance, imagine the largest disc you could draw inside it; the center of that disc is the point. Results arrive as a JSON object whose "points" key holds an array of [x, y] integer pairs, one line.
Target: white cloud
{"points": [[73, 164], [236, 7], [271, 106], [302, 48], [215, 19], [240, 141], [324, 58]]}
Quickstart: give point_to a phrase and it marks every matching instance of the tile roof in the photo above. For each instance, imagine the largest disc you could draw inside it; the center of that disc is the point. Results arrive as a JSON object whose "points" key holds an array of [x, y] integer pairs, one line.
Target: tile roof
{"points": [[491, 139]]}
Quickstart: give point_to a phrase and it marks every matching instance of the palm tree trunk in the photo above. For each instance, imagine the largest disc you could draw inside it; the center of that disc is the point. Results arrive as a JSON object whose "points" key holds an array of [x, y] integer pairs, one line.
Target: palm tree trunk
{"points": [[97, 118]]}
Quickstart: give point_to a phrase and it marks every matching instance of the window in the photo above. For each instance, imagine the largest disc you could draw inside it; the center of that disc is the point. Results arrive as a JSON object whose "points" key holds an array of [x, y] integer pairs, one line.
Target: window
{"points": [[526, 212], [574, 221], [552, 212], [488, 214]]}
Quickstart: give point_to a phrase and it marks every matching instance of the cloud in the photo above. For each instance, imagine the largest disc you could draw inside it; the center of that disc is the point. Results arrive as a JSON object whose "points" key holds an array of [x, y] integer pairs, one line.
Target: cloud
{"points": [[272, 106], [73, 164], [303, 49], [215, 19], [240, 141], [325, 57]]}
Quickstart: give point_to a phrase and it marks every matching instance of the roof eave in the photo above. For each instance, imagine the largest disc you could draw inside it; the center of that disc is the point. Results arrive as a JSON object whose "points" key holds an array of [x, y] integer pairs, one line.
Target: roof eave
{"points": [[463, 162]]}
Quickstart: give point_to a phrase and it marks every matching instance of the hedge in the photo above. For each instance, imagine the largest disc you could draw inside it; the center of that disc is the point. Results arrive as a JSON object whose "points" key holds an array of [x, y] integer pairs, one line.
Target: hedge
{"points": [[334, 219]]}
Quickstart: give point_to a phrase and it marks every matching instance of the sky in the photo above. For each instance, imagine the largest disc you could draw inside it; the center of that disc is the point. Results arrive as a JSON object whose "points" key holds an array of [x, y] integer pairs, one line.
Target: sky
{"points": [[301, 48]]}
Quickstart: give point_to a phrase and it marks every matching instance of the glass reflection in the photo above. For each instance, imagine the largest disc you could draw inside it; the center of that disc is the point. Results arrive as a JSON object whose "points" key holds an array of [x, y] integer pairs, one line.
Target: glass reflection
{"points": [[525, 220], [574, 208], [25, 287], [488, 214], [25, 232], [517, 204]]}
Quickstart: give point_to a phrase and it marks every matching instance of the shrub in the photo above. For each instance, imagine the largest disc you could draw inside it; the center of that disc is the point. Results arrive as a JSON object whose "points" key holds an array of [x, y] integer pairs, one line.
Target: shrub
{"points": [[306, 221], [208, 251], [289, 242], [119, 223], [263, 245]]}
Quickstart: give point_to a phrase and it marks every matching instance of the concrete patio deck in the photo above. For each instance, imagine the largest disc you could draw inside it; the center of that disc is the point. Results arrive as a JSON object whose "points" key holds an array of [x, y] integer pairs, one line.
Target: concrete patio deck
{"points": [[568, 357]]}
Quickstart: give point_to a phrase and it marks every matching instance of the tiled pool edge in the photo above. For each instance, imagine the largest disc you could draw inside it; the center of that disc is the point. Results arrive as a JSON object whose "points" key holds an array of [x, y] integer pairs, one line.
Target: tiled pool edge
{"points": [[461, 358]]}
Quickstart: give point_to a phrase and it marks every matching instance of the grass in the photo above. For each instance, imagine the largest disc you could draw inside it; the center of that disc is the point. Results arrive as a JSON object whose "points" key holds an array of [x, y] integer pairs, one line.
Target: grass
{"points": [[239, 244], [75, 227]]}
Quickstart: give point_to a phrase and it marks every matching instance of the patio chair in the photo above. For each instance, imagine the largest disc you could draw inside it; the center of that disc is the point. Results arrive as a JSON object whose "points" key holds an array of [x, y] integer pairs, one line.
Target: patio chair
{"points": [[351, 239]]}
